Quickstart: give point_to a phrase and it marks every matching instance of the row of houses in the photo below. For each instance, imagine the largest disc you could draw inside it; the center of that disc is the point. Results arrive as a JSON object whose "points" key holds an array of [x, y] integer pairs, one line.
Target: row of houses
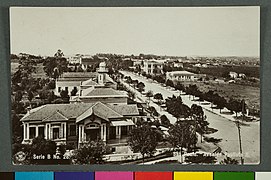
{"points": [[154, 67]]}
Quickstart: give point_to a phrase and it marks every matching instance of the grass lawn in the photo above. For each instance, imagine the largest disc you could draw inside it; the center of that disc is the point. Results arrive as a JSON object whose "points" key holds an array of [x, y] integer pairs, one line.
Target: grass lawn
{"points": [[250, 94]]}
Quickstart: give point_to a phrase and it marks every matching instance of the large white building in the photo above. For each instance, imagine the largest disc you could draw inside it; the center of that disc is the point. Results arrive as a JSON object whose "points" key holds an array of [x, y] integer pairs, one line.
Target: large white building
{"points": [[152, 67], [83, 80], [180, 76]]}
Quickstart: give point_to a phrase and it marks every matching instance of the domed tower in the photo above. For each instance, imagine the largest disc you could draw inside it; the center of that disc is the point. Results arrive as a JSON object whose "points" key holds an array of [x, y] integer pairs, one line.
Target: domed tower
{"points": [[102, 71]]}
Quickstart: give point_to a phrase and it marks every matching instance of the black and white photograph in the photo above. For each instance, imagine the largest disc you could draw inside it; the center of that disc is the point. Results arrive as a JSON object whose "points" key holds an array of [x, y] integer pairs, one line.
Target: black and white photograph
{"points": [[135, 85]]}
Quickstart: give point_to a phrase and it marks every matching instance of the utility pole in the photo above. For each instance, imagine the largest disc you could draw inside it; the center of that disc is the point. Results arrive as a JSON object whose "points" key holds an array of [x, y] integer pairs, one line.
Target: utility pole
{"points": [[240, 141]]}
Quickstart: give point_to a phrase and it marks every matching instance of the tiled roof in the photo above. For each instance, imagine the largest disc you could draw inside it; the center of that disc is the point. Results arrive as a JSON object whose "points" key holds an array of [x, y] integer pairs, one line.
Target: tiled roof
{"points": [[125, 109], [78, 74], [105, 112], [104, 92], [89, 82], [79, 111], [56, 116], [68, 110]]}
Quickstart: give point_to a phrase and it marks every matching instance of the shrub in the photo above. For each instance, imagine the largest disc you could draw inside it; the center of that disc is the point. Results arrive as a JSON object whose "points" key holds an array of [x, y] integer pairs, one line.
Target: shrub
{"points": [[90, 153]]}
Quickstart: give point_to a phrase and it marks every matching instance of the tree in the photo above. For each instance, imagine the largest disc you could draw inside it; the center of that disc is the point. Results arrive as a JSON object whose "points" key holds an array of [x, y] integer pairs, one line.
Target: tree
{"points": [[129, 80], [55, 66], [209, 97], [143, 139], [199, 119], [180, 86], [192, 90], [59, 54], [90, 153], [229, 160], [182, 135], [16, 125], [18, 96], [159, 97], [141, 86], [236, 106], [221, 102], [176, 107], [64, 94], [135, 82], [74, 91], [169, 83], [149, 94], [165, 121]]}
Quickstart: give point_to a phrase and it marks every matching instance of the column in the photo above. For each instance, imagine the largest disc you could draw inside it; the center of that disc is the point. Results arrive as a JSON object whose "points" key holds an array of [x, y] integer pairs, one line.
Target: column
{"points": [[46, 132], [102, 131], [80, 134], [83, 133], [25, 131], [118, 132], [50, 134], [104, 135], [65, 131], [37, 131]]}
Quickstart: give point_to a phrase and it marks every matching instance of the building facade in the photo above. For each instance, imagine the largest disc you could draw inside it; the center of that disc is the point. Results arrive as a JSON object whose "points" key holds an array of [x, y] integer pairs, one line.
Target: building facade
{"points": [[152, 67], [83, 80], [180, 76], [75, 124]]}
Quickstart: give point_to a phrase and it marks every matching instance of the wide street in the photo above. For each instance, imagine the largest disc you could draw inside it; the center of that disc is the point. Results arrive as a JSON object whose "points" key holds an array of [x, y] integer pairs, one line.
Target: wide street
{"points": [[227, 130]]}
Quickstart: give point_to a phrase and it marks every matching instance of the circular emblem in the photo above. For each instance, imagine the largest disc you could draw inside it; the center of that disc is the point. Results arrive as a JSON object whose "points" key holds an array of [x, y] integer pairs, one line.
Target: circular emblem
{"points": [[20, 156]]}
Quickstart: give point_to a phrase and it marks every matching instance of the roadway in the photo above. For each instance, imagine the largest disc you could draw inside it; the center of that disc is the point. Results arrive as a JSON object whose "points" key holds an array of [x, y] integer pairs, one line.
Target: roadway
{"points": [[227, 130]]}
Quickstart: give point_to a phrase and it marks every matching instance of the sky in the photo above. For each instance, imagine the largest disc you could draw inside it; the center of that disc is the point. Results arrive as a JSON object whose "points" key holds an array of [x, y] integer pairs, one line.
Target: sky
{"points": [[205, 31]]}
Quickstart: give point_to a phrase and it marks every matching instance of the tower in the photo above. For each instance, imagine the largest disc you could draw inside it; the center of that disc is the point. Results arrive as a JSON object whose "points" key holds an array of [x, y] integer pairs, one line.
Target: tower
{"points": [[102, 70]]}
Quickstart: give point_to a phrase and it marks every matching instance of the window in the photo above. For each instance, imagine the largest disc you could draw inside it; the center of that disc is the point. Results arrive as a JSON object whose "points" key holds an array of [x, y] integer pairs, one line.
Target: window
{"points": [[32, 132], [59, 89], [66, 89], [55, 133], [72, 130], [41, 131]]}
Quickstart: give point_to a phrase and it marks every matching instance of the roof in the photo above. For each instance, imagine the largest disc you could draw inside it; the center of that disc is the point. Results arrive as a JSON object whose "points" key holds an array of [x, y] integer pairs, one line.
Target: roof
{"points": [[79, 111], [105, 92], [122, 123], [67, 110], [77, 76], [56, 116], [124, 109], [89, 82], [180, 73]]}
